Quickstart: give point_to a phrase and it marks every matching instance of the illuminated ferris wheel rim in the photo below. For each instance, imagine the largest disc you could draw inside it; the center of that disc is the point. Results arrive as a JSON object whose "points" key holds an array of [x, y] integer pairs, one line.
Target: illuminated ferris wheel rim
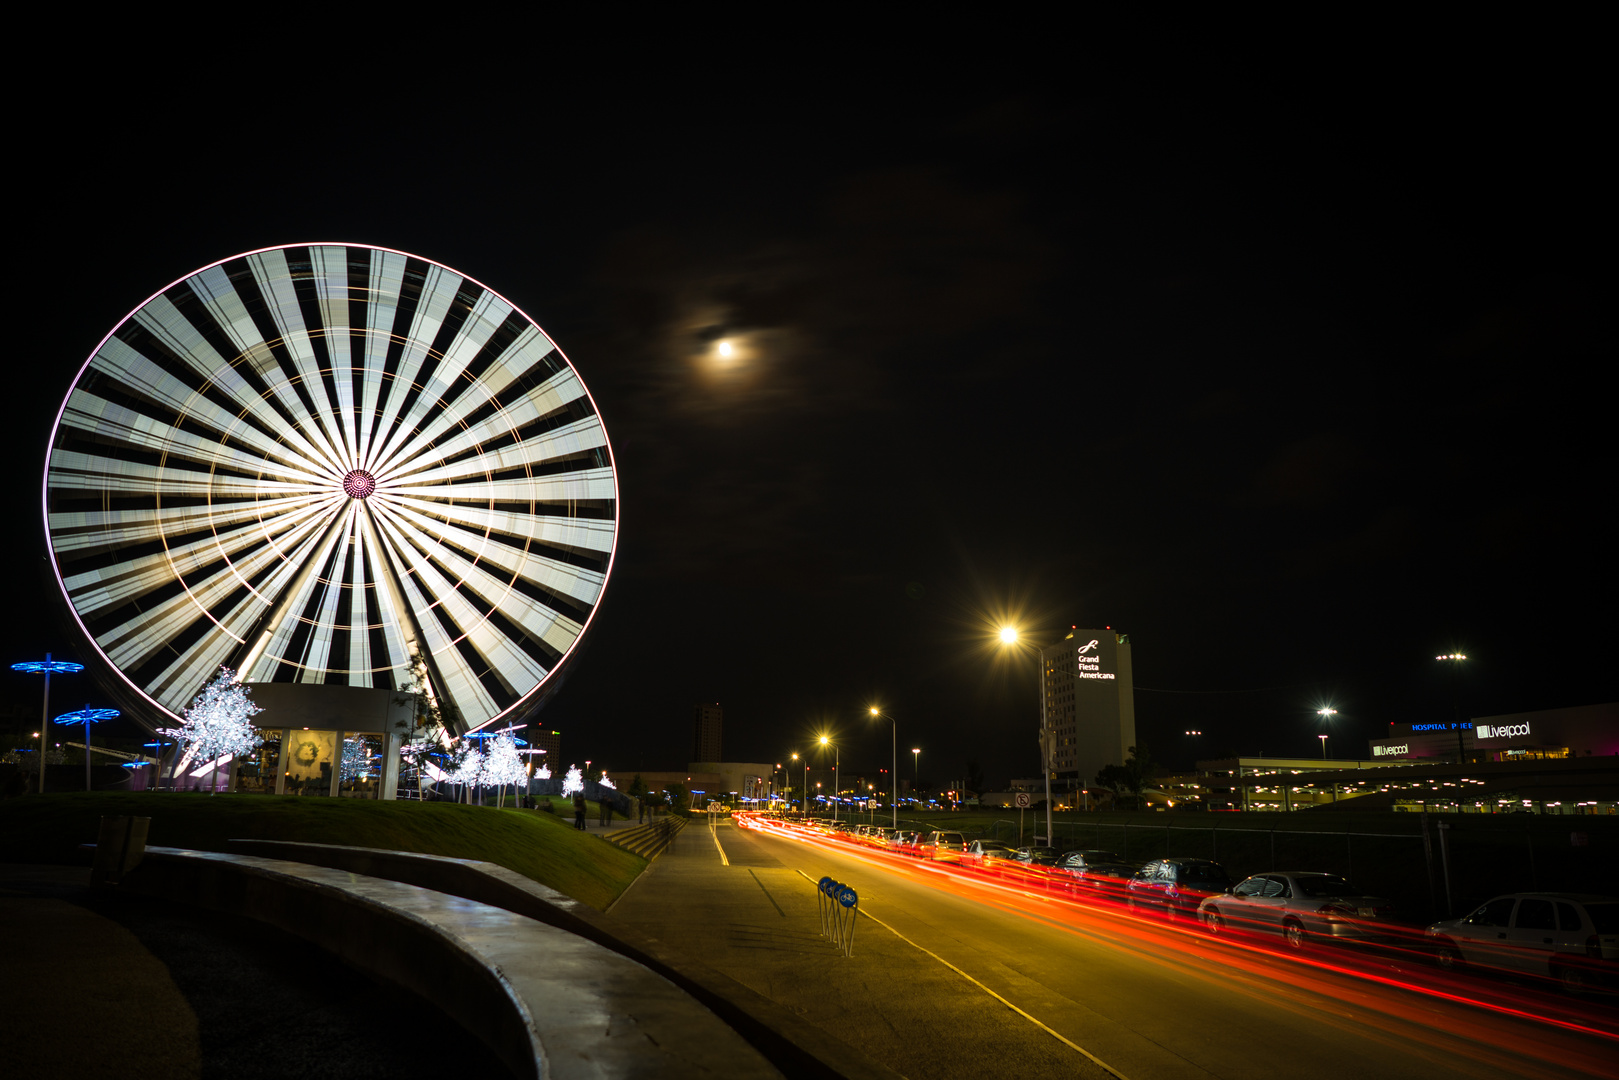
{"points": [[362, 479]]}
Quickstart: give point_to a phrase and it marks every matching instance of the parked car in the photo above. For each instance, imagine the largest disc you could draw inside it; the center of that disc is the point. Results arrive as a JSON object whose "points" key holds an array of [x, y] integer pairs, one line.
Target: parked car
{"points": [[1177, 886], [1037, 855], [1570, 937], [1300, 906], [980, 850], [1108, 879], [943, 845]]}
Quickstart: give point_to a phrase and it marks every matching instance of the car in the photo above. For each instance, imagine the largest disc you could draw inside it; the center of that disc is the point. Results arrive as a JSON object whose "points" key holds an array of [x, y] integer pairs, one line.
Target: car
{"points": [[1109, 879], [986, 849], [943, 845], [1177, 886], [1300, 906], [1572, 938], [1037, 854]]}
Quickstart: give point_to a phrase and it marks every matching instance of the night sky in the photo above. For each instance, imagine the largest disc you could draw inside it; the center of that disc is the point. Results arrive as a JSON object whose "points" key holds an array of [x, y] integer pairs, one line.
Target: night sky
{"points": [[1297, 381]]}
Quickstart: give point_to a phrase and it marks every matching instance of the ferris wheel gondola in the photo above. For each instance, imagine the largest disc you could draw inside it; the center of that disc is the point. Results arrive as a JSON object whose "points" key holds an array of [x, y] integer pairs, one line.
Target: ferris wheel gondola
{"points": [[332, 463]]}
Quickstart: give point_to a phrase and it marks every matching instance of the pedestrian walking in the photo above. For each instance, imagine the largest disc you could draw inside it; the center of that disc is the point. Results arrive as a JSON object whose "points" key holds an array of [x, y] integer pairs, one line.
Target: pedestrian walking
{"points": [[579, 810]]}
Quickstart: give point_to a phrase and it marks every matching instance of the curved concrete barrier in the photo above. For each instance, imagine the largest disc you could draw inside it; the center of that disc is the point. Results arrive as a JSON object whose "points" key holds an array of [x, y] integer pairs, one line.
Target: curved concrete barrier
{"points": [[547, 1001], [796, 1046]]}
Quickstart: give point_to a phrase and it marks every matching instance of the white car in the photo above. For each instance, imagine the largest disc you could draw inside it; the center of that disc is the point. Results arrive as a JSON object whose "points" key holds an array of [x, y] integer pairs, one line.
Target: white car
{"points": [[1570, 937], [1300, 906]]}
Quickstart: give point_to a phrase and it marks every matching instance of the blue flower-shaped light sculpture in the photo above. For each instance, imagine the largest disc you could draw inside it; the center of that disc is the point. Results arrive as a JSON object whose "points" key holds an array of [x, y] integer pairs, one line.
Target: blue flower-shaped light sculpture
{"points": [[46, 667], [87, 716]]}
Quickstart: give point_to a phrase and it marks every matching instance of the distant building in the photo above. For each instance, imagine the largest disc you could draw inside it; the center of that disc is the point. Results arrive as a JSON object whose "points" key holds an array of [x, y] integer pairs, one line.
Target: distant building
{"points": [[707, 733], [551, 742], [1549, 734], [1088, 703]]}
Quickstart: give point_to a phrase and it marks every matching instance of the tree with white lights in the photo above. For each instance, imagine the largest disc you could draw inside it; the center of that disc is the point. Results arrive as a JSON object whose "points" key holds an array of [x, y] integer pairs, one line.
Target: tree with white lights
{"points": [[466, 768], [573, 783], [504, 765], [219, 722], [606, 783]]}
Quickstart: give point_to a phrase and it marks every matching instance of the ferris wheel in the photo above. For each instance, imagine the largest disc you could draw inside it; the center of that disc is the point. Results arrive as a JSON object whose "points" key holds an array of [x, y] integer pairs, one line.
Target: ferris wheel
{"points": [[332, 463]]}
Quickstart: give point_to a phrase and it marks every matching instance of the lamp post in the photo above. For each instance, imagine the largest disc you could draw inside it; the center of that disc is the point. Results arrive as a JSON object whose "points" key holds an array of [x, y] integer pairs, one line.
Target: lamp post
{"points": [[837, 759], [1326, 714], [1009, 636], [893, 766], [45, 667], [916, 766], [87, 716], [1454, 661], [804, 795]]}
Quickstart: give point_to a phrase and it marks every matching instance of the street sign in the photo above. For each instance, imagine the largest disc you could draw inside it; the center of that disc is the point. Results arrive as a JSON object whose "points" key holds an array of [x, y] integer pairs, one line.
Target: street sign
{"points": [[1021, 800]]}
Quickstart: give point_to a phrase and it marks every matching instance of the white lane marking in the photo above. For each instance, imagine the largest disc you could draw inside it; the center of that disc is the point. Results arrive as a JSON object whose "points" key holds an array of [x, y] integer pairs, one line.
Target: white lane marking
{"points": [[716, 834], [1059, 1036]]}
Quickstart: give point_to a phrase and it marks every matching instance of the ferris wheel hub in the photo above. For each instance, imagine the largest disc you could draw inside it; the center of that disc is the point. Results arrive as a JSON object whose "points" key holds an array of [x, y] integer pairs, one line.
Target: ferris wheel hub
{"points": [[358, 484]]}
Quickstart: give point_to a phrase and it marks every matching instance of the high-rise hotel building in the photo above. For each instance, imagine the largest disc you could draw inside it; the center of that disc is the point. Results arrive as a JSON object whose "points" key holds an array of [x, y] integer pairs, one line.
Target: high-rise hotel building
{"points": [[1088, 701], [707, 733]]}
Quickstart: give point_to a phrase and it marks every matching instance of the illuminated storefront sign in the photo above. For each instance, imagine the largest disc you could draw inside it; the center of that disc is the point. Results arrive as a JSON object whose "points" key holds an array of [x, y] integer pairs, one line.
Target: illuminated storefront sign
{"points": [[1502, 731], [1391, 751]]}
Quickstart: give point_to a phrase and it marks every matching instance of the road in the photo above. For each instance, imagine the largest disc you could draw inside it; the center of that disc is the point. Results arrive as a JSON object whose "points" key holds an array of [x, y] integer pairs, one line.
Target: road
{"points": [[955, 975]]}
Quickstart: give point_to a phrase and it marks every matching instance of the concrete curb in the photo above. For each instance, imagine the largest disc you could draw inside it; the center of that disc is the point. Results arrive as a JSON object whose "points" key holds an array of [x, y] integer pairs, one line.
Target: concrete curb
{"points": [[549, 1003], [797, 1047]]}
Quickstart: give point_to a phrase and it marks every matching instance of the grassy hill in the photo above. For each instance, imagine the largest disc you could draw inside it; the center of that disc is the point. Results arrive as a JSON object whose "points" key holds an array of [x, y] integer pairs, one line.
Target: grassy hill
{"points": [[543, 847]]}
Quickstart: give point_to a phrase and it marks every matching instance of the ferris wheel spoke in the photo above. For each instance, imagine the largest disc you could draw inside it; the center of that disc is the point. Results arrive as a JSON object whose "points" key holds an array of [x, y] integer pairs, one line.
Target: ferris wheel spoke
{"points": [[436, 306], [139, 436], [308, 352], [570, 534], [174, 400], [574, 441], [461, 682], [481, 412], [118, 582], [90, 531], [584, 484], [233, 315], [383, 288], [171, 333], [500, 620], [486, 331], [550, 575], [358, 618]]}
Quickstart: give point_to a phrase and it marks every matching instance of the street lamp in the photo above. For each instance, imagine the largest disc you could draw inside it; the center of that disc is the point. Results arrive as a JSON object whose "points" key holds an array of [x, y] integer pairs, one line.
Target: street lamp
{"points": [[916, 766], [88, 716], [1009, 636], [45, 667], [837, 759], [1325, 714], [893, 765], [1454, 662]]}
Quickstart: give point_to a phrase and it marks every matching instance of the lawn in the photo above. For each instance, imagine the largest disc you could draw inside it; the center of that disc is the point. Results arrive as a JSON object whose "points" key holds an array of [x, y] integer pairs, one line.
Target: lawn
{"points": [[540, 846]]}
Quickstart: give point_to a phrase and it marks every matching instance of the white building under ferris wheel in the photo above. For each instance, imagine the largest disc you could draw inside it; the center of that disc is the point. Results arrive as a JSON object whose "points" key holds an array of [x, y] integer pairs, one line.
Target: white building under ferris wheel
{"points": [[333, 467]]}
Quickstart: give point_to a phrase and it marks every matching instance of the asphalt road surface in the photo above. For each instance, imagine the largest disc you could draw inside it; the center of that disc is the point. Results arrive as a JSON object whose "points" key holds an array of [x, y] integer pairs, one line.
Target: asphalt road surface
{"points": [[956, 975]]}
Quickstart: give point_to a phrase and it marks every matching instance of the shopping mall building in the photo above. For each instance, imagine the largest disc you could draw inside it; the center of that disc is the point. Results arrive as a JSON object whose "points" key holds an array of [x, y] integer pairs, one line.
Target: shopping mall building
{"points": [[1550, 734]]}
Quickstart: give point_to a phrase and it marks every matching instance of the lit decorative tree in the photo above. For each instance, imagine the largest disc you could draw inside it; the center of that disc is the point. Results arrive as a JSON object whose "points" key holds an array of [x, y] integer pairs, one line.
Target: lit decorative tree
{"points": [[504, 765], [467, 768], [543, 772], [219, 722], [606, 783], [572, 783]]}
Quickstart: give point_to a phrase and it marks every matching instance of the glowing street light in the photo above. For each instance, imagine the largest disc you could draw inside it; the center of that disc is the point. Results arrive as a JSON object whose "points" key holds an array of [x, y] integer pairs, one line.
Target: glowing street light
{"points": [[1454, 662], [46, 667], [916, 766], [1010, 635], [836, 776], [87, 716], [1323, 739], [894, 759]]}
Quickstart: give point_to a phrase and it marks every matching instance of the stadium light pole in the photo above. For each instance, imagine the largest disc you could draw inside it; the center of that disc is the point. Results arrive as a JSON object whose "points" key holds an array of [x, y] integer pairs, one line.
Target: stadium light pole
{"points": [[1454, 661], [893, 766], [45, 667], [1010, 636]]}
